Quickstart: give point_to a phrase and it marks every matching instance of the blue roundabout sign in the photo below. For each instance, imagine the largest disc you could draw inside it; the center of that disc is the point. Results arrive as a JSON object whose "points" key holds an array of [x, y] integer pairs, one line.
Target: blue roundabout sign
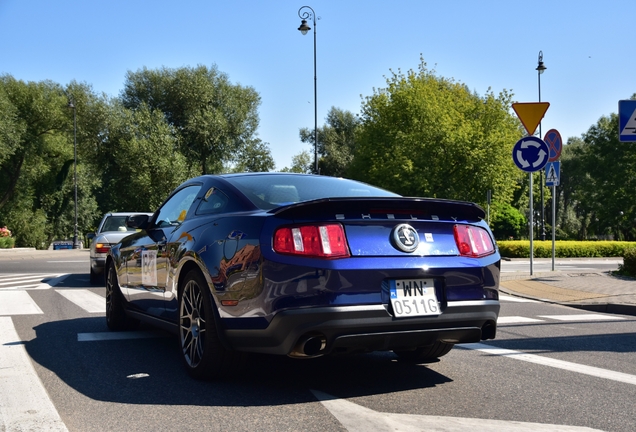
{"points": [[530, 154]]}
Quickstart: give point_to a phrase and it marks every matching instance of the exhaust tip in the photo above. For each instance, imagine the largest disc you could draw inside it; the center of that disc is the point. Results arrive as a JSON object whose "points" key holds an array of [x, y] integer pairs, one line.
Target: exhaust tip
{"points": [[489, 330], [309, 346]]}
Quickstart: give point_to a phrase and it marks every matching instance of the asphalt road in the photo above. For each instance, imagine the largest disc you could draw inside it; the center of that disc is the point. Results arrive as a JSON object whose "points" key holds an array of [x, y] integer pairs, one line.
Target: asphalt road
{"points": [[550, 368]]}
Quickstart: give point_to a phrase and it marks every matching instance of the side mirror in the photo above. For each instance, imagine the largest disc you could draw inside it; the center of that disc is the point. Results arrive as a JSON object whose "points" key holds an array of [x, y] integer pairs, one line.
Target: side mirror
{"points": [[137, 221], [91, 236]]}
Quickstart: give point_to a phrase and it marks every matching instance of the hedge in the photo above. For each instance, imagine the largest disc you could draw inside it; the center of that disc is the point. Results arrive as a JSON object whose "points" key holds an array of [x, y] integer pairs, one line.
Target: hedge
{"points": [[628, 267], [564, 248]]}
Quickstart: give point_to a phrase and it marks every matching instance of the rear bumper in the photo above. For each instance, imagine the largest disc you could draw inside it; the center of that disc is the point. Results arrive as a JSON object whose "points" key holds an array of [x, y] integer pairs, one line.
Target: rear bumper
{"points": [[368, 328], [98, 263]]}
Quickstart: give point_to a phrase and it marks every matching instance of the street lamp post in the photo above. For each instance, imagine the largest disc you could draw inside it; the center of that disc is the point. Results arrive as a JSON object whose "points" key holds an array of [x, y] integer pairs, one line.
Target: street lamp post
{"points": [[71, 105], [304, 28], [540, 68]]}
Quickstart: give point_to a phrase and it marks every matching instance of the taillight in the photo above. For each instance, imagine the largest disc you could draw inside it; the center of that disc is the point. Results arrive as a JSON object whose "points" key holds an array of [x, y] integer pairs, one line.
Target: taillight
{"points": [[320, 241], [473, 241], [102, 247]]}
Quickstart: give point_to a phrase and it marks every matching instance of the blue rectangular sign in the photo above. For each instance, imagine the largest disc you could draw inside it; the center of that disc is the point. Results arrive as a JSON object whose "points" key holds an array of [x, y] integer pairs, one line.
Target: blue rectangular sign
{"points": [[553, 173], [627, 120]]}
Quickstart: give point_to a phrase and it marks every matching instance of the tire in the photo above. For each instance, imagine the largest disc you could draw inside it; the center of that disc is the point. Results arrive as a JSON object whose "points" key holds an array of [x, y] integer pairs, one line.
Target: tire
{"points": [[427, 354], [116, 318], [202, 352]]}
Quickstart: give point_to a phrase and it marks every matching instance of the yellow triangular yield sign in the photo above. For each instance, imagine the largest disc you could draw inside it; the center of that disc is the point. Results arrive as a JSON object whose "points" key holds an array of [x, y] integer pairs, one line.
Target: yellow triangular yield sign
{"points": [[530, 114]]}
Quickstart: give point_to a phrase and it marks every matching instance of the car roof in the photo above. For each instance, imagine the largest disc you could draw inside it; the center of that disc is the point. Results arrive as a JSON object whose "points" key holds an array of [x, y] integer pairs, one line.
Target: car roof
{"points": [[126, 213]]}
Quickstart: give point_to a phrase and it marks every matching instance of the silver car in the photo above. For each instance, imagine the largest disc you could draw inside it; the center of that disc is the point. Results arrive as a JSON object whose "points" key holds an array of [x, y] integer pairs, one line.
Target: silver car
{"points": [[110, 231]]}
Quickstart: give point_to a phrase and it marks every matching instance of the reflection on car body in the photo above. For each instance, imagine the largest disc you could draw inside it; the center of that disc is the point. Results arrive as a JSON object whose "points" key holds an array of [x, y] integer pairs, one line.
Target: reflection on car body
{"points": [[305, 266]]}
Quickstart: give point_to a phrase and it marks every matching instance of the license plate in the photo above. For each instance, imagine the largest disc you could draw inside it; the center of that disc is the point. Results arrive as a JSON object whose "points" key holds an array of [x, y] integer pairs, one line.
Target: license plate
{"points": [[414, 297]]}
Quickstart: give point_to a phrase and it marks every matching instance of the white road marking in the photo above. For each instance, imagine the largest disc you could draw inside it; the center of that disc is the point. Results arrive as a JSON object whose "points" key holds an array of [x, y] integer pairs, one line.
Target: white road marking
{"points": [[24, 403], [14, 277], [516, 319], [81, 261], [516, 299], [87, 300], [17, 303], [583, 317], [122, 335], [555, 363], [33, 281], [356, 418]]}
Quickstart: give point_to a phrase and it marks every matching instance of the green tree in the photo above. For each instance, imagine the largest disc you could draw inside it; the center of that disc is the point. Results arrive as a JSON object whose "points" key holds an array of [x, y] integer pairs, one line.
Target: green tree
{"points": [[142, 160], [10, 127], [336, 141], [39, 118], [572, 220], [33, 176], [301, 163], [424, 135], [608, 180], [255, 156], [214, 120]]}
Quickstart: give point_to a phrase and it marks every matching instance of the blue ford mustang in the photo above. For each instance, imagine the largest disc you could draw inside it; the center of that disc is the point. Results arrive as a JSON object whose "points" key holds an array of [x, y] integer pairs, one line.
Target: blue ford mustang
{"points": [[305, 266]]}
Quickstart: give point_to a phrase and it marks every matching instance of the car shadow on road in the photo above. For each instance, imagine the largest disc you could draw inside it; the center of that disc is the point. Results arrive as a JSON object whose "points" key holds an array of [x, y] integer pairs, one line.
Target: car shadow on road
{"points": [[613, 342], [149, 371]]}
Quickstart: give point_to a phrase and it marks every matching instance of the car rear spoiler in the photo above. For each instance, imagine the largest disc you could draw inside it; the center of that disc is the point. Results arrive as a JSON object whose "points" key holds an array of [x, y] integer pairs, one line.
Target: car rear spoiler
{"points": [[420, 208]]}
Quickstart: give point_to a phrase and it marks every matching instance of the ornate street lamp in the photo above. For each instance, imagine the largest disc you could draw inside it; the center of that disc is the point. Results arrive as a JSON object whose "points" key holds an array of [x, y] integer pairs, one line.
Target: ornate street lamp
{"points": [[304, 28], [540, 68], [71, 105]]}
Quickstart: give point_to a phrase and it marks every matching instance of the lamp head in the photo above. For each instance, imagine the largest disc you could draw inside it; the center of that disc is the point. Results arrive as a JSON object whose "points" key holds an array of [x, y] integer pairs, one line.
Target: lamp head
{"points": [[304, 28], [541, 67]]}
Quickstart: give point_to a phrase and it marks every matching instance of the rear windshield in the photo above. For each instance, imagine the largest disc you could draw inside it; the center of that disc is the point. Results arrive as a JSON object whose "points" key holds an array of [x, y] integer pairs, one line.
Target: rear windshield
{"points": [[116, 223], [271, 191]]}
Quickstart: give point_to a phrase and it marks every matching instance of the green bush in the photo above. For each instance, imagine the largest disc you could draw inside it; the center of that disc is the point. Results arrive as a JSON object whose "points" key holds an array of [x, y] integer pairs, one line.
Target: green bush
{"points": [[7, 242], [628, 267], [564, 248], [507, 221]]}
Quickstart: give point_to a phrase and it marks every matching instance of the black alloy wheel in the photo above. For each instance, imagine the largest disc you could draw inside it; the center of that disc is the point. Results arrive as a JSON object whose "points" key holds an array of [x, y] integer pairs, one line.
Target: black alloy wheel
{"points": [[203, 354], [116, 318]]}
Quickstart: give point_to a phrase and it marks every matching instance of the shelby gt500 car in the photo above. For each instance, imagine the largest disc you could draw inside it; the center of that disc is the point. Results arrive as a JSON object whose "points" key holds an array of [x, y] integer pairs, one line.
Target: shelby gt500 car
{"points": [[305, 266]]}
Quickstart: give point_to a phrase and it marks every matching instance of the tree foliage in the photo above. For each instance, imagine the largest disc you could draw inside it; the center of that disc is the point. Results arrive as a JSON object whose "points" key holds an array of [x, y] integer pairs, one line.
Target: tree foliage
{"points": [[34, 176], [168, 125], [336, 142], [302, 163], [214, 119], [507, 222], [424, 135], [143, 163], [606, 180]]}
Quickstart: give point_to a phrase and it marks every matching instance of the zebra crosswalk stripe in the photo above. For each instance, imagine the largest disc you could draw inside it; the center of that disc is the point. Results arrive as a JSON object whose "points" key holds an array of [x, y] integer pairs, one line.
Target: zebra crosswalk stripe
{"points": [[23, 399], [17, 303], [87, 300]]}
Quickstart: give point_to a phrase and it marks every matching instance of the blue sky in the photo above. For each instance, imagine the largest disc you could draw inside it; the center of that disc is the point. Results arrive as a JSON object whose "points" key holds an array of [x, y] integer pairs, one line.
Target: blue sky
{"points": [[587, 49]]}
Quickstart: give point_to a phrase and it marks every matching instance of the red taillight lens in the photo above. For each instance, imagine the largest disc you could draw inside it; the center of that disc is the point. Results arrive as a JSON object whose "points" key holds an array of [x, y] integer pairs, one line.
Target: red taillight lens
{"points": [[321, 241], [473, 241], [102, 247]]}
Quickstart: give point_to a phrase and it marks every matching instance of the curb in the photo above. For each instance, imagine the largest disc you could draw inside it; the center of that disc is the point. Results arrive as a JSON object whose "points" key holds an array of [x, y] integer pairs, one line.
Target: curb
{"points": [[20, 254], [610, 308]]}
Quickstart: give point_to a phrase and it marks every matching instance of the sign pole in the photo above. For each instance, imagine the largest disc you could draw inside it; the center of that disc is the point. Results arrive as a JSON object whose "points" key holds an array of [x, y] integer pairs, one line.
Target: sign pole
{"points": [[553, 223], [530, 153], [531, 228]]}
